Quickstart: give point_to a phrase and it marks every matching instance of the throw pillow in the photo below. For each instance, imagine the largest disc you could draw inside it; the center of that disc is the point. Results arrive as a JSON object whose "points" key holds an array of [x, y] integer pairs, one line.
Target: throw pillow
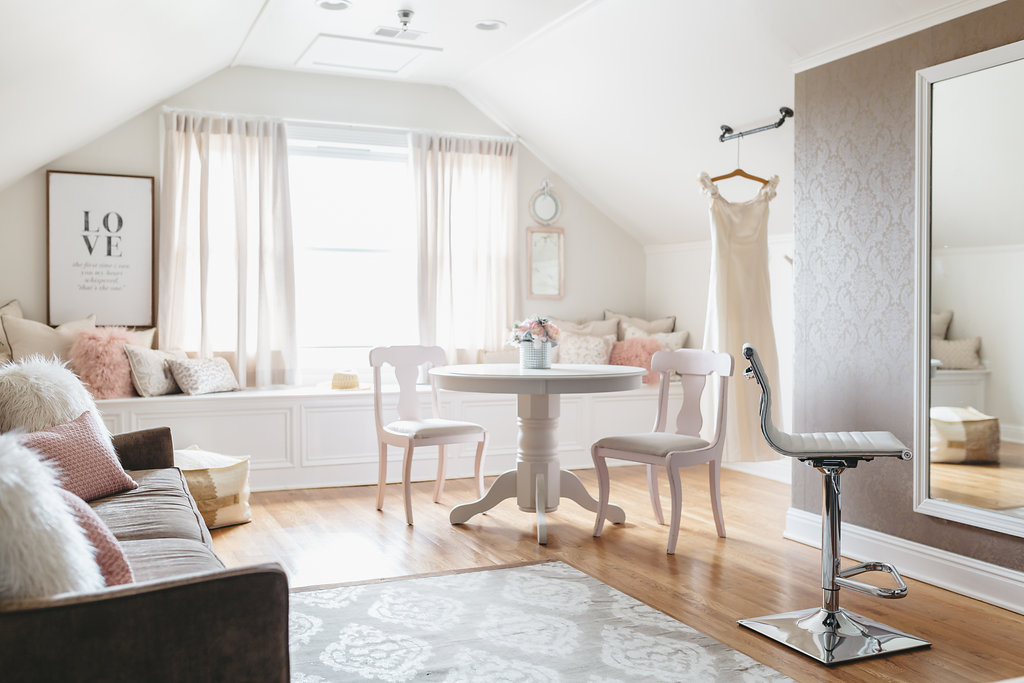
{"points": [[98, 356], [143, 338], [595, 328], [666, 324], [670, 341], [203, 375], [84, 456], [29, 338], [218, 483], [44, 551], [151, 375], [585, 349], [36, 393], [940, 324], [637, 352], [109, 555], [957, 354], [13, 309]]}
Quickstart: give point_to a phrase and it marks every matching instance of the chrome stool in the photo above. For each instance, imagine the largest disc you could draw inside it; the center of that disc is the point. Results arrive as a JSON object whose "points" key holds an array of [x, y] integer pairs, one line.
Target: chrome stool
{"points": [[831, 634]]}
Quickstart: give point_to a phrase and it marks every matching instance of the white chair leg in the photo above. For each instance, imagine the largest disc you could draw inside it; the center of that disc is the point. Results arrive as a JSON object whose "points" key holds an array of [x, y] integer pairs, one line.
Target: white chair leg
{"points": [[603, 486], [406, 476], [382, 474], [478, 467], [715, 480], [652, 487], [442, 466], [676, 489]]}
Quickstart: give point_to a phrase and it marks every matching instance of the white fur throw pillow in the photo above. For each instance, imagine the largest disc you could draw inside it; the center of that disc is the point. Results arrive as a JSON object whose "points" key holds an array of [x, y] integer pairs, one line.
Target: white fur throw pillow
{"points": [[44, 550], [38, 393]]}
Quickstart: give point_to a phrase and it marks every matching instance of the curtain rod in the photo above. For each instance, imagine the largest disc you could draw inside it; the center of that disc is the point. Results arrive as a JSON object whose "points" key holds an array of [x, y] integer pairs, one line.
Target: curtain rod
{"points": [[343, 124]]}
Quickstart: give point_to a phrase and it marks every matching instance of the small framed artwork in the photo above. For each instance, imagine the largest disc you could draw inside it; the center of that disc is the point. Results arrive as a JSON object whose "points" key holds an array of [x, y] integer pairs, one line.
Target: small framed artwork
{"points": [[546, 262], [99, 248]]}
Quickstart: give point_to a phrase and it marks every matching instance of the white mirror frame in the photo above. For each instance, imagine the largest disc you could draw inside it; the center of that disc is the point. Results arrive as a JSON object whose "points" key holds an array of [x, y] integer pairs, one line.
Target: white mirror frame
{"points": [[545, 215], [978, 517]]}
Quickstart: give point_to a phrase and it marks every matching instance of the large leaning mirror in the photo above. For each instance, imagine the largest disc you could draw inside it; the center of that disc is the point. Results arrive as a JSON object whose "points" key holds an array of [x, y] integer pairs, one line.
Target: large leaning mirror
{"points": [[969, 436]]}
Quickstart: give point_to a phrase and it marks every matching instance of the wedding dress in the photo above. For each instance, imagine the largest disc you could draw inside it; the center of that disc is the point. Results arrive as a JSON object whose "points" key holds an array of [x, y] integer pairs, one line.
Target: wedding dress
{"points": [[740, 308]]}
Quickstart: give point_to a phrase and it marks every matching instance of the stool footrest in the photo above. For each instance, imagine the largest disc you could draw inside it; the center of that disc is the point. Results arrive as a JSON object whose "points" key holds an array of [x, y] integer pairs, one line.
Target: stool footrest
{"points": [[899, 591]]}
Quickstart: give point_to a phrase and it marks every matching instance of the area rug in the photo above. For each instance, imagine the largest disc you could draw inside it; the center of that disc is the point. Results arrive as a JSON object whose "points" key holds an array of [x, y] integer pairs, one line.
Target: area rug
{"points": [[540, 622]]}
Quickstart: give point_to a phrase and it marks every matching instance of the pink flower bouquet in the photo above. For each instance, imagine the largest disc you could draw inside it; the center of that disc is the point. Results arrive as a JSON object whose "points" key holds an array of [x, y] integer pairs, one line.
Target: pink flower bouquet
{"points": [[534, 330]]}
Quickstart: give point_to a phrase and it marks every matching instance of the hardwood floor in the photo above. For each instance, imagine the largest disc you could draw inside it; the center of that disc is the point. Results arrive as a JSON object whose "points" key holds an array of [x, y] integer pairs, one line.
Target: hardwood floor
{"points": [[996, 486], [324, 536]]}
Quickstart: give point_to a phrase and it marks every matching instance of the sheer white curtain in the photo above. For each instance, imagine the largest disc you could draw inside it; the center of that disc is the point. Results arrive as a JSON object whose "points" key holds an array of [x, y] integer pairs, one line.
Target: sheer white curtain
{"points": [[466, 208], [227, 279]]}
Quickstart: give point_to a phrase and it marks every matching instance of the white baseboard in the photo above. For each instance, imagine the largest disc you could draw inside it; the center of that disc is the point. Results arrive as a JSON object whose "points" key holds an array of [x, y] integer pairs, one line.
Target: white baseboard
{"points": [[964, 575], [1013, 433]]}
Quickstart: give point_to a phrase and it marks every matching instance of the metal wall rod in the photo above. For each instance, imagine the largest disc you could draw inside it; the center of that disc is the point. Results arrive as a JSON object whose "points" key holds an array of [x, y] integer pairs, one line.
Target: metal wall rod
{"points": [[728, 134]]}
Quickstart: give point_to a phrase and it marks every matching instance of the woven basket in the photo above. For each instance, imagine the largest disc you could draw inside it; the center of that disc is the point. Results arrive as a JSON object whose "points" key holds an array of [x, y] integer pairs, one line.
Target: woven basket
{"points": [[532, 358]]}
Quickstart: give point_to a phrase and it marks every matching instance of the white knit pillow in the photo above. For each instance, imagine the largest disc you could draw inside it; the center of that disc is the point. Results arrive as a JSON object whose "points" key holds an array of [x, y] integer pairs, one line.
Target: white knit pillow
{"points": [[44, 550], [582, 349], [38, 393], [957, 354]]}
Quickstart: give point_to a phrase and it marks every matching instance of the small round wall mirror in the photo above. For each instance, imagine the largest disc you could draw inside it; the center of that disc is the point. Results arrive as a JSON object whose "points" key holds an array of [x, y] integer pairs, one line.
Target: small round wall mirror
{"points": [[544, 206]]}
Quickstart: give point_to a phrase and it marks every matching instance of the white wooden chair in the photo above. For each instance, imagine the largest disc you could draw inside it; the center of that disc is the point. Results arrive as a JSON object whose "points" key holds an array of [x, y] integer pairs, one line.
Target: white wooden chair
{"points": [[679, 448], [411, 430]]}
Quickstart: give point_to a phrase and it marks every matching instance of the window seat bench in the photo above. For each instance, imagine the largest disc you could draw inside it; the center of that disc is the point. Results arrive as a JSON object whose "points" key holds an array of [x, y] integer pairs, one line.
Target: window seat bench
{"points": [[314, 436]]}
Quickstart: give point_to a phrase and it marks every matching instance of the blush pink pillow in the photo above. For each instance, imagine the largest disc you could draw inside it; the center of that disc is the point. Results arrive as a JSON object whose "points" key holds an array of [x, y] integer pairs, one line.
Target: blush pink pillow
{"points": [[84, 457], [98, 356], [109, 555], [636, 352]]}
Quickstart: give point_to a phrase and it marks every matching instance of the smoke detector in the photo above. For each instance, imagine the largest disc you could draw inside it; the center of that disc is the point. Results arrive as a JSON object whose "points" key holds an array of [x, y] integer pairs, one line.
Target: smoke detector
{"points": [[333, 4], [403, 32]]}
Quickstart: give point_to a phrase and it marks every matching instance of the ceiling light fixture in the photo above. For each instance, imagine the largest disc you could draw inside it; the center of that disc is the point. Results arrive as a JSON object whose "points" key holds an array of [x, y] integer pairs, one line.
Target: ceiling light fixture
{"points": [[333, 4], [490, 24]]}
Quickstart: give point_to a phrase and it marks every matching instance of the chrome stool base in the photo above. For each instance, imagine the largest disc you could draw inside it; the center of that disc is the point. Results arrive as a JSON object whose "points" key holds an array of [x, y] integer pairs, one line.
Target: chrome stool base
{"points": [[833, 637]]}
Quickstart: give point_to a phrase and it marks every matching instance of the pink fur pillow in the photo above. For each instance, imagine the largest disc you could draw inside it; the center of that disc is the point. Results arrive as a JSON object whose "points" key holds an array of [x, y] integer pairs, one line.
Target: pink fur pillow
{"points": [[636, 352], [98, 357]]}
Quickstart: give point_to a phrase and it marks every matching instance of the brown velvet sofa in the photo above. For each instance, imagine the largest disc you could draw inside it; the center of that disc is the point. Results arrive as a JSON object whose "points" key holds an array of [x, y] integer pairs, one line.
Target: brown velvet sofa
{"points": [[186, 617]]}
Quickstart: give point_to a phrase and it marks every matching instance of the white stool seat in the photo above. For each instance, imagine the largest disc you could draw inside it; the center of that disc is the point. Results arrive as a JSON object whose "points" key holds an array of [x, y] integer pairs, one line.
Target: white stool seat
{"points": [[823, 443], [431, 428], [652, 443]]}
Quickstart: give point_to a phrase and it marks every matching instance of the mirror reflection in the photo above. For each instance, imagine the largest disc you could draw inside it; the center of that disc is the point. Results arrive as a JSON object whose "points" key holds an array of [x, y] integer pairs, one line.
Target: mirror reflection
{"points": [[976, 412], [545, 251]]}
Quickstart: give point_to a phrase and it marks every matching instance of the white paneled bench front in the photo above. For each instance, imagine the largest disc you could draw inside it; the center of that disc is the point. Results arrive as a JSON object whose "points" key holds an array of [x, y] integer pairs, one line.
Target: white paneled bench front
{"points": [[307, 437]]}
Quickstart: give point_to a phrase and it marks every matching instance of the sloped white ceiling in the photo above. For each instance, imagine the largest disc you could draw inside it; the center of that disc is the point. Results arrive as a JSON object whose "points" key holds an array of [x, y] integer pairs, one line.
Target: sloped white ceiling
{"points": [[622, 98], [71, 71]]}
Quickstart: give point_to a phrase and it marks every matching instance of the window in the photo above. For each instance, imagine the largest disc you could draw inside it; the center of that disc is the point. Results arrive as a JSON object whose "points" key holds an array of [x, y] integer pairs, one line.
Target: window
{"points": [[355, 245]]}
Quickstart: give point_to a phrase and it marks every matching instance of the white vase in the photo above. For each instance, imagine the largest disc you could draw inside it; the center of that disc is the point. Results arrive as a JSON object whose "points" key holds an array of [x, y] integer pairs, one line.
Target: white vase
{"points": [[535, 358]]}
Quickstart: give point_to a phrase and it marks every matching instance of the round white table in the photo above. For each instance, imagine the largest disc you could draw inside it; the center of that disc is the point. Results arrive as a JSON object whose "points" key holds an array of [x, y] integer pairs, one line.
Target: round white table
{"points": [[537, 482]]}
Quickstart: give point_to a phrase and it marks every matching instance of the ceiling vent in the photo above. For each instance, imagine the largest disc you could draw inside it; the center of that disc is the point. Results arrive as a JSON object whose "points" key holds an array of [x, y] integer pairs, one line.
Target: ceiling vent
{"points": [[398, 33]]}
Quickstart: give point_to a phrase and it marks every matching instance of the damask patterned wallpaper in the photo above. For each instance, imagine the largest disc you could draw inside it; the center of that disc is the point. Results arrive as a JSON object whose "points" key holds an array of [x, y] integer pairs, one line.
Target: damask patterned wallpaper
{"points": [[854, 281]]}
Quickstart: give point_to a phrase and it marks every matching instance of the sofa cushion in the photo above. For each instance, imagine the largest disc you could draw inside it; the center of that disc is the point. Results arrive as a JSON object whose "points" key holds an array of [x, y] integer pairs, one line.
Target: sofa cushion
{"points": [[152, 559], [159, 508]]}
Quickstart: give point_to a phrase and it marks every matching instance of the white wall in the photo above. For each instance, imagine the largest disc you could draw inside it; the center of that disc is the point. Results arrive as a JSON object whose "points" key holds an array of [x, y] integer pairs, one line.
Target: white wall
{"points": [[604, 267]]}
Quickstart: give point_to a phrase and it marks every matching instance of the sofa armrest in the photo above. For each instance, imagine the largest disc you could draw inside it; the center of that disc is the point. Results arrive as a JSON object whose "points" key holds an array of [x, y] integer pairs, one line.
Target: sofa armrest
{"points": [[148, 449], [230, 625]]}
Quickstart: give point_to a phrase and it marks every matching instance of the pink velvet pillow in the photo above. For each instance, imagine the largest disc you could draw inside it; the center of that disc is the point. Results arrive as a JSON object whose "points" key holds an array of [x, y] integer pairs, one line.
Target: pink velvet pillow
{"points": [[98, 356], [84, 457], [109, 555], [636, 352]]}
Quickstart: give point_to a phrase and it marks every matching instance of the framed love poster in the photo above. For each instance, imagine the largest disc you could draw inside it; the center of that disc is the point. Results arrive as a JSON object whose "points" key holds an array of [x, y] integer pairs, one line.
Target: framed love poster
{"points": [[99, 244]]}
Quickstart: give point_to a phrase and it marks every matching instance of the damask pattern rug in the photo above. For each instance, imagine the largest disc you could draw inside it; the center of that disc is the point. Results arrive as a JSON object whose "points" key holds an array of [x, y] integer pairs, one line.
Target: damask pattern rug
{"points": [[540, 622]]}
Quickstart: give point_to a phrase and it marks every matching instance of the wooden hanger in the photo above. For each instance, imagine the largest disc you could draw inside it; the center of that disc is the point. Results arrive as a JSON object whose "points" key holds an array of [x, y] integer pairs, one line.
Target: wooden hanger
{"points": [[741, 173]]}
